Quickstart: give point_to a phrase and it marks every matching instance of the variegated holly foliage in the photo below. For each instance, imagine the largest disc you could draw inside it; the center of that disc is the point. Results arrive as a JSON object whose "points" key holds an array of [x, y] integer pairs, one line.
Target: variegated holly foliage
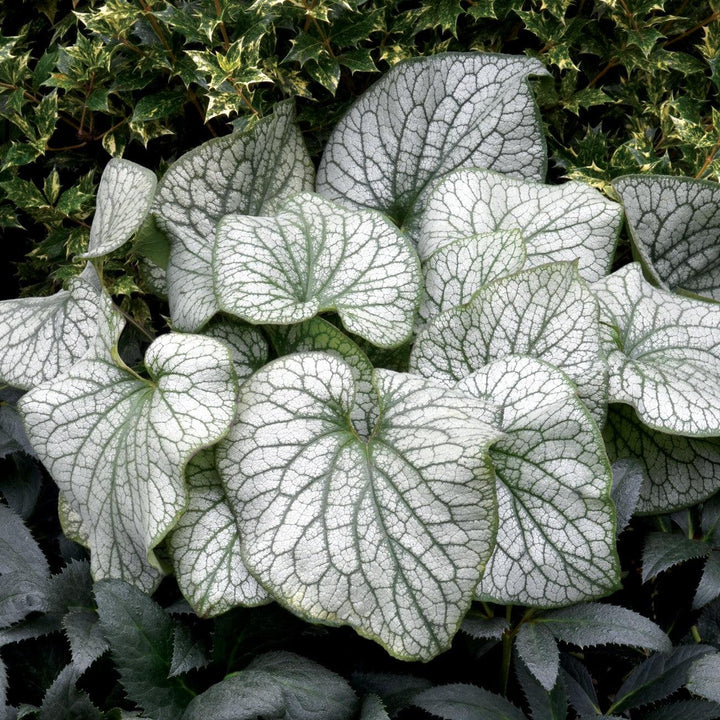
{"points": [[261, 449]]}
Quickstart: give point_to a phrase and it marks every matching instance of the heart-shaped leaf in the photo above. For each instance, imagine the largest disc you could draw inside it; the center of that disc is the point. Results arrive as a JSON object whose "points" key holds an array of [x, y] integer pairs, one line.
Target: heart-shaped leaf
{"points": [[42, 337], [205, 547], [429, 116], [677, 471], [247, 344], [386, 533], [117, 443], [239, 173], [545, 312], [556, 522], [456, 271], [315, 256], [674, 225], [124, 197], [663, 353]]}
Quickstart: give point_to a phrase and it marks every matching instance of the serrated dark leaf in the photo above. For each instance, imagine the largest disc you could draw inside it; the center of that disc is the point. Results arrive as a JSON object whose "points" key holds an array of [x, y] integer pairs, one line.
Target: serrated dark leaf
{"points": [[538, 650], [71, 587], [663, 550], [710, 519], [484, 628], [20, 594], [658, 677], [140, 637], [396, 691], [373, 709], [709, 586], [30, 629], [20, 484], [12, 433], [543, 704], [466, 702], [83, 631], [18, 550], [704, 677], [187, 654], [63, 701], [627, 480], [685, 710], [579, 686]]}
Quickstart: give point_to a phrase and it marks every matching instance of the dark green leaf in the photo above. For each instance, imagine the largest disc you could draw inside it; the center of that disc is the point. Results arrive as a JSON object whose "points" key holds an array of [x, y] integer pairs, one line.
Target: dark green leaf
{"points": [[704, 678], [543, 704], [663, 550], [466, 702], [579, 686], [151, 242], [709, 587], [188, 654], [685, 709], [484, 628], [539, 652], [627, 481], [159, 106], [19, 553], [63, 701], [83, 631]]}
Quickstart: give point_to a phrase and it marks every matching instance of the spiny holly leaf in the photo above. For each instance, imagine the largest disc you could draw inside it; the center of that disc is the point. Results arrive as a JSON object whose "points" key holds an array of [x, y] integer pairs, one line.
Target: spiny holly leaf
{"points": [[116, 443], [677, 471], [538, 650], [277, 684], [456, 271], [466, 702], [386, 533], [314, 256], [545, 312], [247, 344], [663, 353], [43, 336], [556, 522], [558, 222], [674, 224], [240, 173], [664, 550], [319, 334], [205, 547], [428, 116], [140, 634], [591, 624], [124, 197]]}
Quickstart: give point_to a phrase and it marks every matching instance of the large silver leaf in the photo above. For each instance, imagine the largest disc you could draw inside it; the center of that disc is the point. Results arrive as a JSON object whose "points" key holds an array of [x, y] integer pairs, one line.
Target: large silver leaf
{"points": [[546, 312], [428, 116], [239, 173], [387, 533], [572, 221], [675, 224], [663, 353], [313, 256], [556, 522], [43, 336], [117, 444]]}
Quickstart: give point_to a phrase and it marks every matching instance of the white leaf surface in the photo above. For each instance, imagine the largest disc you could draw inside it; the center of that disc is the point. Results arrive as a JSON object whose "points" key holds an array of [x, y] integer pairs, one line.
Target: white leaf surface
{"points": [[124, 197], [116, 444], [43, 336], [677, 471], [239, 173], [205, 546], [663, 353], [674, 225], [388, 533], [247, 344], [428, 116], [456, 271], [556, 523], [545, 312], [572, 221], [313, 256]]}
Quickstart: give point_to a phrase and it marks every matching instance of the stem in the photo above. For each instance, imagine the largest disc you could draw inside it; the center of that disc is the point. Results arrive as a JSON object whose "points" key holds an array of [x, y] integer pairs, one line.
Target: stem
{"points": [[710, 157], [611, 64], [223, 29], [695, 28], [507, 641]]}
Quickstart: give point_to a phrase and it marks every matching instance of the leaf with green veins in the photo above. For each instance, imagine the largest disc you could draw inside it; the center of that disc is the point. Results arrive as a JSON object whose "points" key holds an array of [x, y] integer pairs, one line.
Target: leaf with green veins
{"points": [[387, 533], [704, 678], [319, 334], [116, 444], [241, 173], [664, 550], [454, 272], [665, 355], [556, 522], [545, 312], [247, 344], [677, 471], [538, 650], [558, 222], [204, 545], [140, 635], [708, 588], [124, 197], [674, 225], [315, 256], [277, 684], [43, 336], [466, 702], [592, 624], [428, 116]]}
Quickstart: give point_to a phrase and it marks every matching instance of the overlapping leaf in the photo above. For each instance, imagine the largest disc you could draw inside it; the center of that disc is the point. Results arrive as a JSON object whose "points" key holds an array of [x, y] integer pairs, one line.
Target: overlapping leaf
{"points": [[42, 336], [240, 173], [663, 353], [388, 533], [429, 116], [205, 546], [124, 197], [314, 256], [572, 221], [116, 443], [247, 344], [674, 224], [556, 522], [545, 312]]}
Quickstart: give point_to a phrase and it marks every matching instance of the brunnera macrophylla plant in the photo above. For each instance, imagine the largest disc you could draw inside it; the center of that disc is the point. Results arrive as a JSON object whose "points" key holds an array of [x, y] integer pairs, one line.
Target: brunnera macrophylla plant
{"points": [[259, 455]]}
